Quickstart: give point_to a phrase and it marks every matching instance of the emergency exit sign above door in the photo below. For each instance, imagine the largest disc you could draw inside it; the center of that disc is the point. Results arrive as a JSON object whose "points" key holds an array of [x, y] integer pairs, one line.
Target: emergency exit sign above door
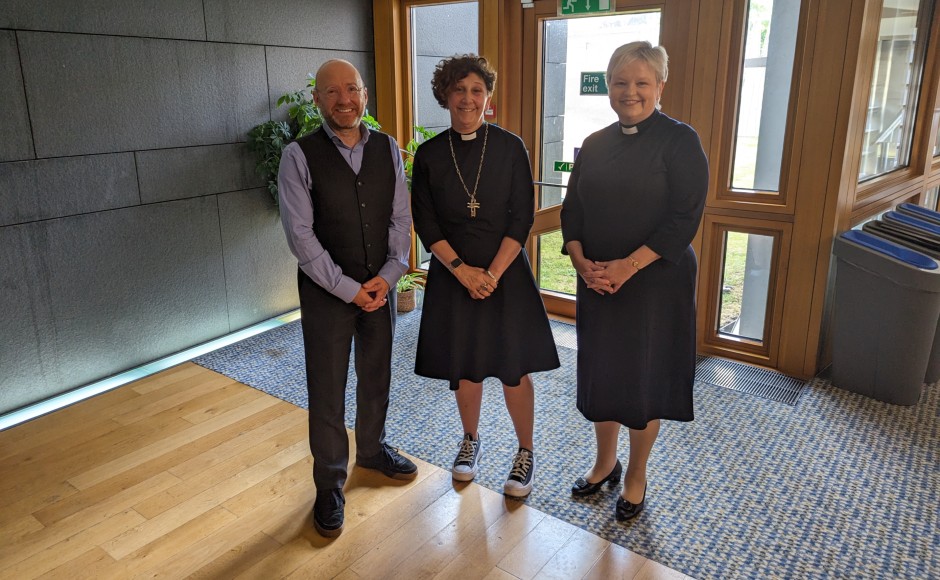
{"points": [[570, 7]]}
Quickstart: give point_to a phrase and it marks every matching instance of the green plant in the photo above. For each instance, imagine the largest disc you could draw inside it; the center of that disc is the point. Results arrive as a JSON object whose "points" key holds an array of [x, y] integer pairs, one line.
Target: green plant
{"points": [[411, 281], [412, 147], [269, 139]]}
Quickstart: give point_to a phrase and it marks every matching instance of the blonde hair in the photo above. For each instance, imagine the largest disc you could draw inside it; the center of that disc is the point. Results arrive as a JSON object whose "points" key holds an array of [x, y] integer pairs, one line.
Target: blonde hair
{"points": [[654, 56]]}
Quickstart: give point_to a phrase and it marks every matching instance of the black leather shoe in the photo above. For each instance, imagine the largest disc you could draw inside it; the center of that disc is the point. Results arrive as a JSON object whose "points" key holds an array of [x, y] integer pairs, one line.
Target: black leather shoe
{"points": [[628, 511], [328, 512], [390, 463], [584, 487]]}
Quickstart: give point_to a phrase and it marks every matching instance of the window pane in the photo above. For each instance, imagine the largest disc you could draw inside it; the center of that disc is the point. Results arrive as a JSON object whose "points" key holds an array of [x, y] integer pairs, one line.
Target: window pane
{"points": [[930, 198], [570, 48], [555, 269], [745, 284], [437, 32], [769, 49], [894, 87]]}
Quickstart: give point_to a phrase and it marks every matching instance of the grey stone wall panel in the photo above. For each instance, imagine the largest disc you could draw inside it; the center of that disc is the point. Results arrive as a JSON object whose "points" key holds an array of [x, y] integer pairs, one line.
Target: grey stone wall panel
{"points": [[329, 24], [430, 113], [156, 18], [446, 29], [260, 271], [95, 287], [167, 174], [288, 69], [17, 142], [52, 188], [553, 129], [132, 285], [553, 93], [556, 42], [128, 94], [28, 348]]}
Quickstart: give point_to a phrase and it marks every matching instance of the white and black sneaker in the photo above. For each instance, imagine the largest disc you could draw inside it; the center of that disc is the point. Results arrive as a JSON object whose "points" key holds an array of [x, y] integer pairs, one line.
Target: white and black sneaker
{"points": [[468, 458], [519, 482]]}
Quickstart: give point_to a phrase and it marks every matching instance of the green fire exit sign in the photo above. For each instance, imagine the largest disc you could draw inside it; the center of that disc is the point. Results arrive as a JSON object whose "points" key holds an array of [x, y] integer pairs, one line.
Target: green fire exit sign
{"points": [[566, 7], [594, 83]]}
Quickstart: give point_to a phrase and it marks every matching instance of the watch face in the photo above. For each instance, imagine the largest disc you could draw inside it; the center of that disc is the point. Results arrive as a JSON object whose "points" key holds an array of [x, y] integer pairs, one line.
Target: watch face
{"points": [[456, 263]]}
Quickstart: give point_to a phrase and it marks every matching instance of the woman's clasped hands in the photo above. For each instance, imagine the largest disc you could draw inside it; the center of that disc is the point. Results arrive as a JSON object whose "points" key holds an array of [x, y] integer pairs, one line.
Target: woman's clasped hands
{"points": [[479, 283], [605, 277]]}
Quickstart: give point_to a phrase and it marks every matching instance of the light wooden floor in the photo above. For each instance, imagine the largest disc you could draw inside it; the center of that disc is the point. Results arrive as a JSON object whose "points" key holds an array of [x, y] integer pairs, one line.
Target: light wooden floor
{"points": [[189, 473]]}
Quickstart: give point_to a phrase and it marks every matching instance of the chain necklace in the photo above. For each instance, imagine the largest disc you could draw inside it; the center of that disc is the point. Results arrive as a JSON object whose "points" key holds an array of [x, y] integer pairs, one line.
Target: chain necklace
{"points": [[473, 204]]}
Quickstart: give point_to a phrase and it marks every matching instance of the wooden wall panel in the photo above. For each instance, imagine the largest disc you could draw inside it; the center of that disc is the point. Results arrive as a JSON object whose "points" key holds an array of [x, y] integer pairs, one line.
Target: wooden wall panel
{"points": [[391, 101]]}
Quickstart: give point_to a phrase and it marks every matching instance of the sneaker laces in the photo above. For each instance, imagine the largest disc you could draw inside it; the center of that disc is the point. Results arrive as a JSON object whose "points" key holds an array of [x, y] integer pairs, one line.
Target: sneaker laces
{"points": [[467, 452], [521, 464]]}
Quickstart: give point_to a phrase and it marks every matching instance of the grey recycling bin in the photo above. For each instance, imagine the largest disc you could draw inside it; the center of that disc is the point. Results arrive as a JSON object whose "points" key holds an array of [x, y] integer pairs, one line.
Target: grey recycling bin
{"points": [[906, 235], [887, 303], [920, 212], [914, 224], [917, 228]]}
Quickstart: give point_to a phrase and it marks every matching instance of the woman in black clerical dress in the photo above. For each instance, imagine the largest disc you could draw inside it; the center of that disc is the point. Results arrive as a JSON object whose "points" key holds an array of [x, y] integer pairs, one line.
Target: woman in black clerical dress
{"points": [[473, 206], [634, 202]]}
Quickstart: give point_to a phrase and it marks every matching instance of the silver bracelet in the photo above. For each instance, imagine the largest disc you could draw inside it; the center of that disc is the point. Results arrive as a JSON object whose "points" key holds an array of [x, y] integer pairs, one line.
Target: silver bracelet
{"points": [[490, 274]]}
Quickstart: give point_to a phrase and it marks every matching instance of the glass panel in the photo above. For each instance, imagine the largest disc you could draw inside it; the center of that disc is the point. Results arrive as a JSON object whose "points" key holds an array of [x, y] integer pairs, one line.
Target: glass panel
{"points": [[894, 87], [936, 147], [437, 31], [555, 270], [571, 48], [769, 48], [929, 199], [745, 285]]}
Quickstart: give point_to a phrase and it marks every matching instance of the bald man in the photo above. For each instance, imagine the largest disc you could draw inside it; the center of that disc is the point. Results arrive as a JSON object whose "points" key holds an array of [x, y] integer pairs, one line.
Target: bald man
{"points": [[344, 207]]}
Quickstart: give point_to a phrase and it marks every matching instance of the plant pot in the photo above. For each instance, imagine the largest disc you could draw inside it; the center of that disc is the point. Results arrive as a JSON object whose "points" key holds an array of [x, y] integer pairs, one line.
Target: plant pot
{"points": [[406, 300]]}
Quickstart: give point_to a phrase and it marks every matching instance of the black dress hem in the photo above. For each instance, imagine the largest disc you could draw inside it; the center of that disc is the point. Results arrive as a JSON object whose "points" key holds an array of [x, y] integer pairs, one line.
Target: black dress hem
{"points": [[680, 419], [455, 383]]}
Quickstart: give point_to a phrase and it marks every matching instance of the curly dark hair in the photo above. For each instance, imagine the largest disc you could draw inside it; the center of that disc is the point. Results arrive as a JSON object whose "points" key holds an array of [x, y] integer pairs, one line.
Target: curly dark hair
{"points": [[452, 70]]}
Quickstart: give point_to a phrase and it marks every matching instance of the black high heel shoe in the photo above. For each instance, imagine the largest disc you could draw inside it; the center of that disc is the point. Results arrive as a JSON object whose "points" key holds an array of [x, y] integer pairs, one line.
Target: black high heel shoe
{"points": [[627, 510], [583, 487]]}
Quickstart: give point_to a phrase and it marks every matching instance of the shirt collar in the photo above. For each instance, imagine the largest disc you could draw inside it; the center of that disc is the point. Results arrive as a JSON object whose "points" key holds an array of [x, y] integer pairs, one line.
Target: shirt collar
{"points": [[363, 134]]}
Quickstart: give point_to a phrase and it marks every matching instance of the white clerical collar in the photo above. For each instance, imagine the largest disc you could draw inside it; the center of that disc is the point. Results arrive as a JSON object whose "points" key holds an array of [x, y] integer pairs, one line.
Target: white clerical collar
{"points": [[631, 130], [468, 136]]}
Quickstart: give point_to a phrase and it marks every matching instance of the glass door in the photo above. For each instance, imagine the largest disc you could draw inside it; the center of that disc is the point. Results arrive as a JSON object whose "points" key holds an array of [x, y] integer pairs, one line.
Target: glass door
{"points": [[570, 55]]}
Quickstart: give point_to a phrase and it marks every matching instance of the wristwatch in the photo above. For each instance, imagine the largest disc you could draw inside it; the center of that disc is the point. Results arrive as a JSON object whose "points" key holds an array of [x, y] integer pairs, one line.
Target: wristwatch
{"points": [[634, 263], [455, 264]]}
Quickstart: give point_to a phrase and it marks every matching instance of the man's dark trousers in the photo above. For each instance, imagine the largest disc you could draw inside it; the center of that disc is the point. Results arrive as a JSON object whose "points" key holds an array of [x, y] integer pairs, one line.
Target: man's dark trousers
{"points": [[330, 326]]}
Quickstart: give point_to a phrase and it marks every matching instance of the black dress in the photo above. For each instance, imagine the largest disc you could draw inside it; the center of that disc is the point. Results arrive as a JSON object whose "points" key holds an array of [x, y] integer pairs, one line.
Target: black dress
{"points": [[506, 335], [636, 347]]}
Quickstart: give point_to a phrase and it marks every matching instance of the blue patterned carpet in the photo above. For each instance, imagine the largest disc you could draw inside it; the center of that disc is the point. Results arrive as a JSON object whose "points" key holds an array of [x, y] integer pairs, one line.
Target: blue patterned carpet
{"points": [[838, 486]]}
